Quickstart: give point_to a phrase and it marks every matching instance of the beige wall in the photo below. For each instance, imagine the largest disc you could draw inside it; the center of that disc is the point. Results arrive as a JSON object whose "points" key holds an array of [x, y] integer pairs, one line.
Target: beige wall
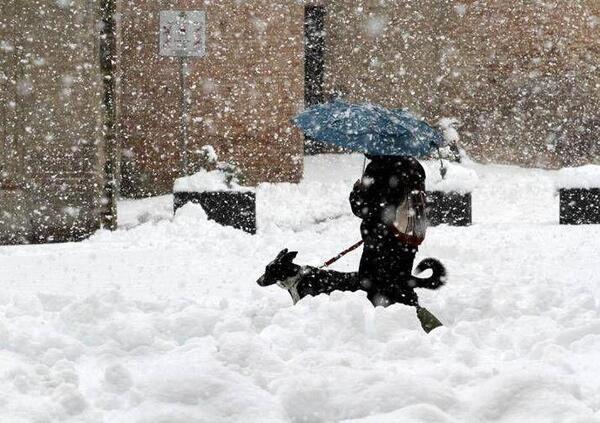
{"points": [[521, 76], [242, 94], [50, 116], [383, 52]]}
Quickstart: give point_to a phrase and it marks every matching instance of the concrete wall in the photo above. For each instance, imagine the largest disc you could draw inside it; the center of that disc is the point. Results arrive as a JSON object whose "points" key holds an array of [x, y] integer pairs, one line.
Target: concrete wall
{"points": [[523, 77], [520, 75], [242, 94], [50, 119], [383, 52]]}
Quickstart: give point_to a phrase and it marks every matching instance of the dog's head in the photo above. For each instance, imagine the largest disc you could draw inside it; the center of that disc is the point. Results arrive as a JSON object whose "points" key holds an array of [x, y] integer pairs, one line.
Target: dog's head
{"points": [[280, 269]]}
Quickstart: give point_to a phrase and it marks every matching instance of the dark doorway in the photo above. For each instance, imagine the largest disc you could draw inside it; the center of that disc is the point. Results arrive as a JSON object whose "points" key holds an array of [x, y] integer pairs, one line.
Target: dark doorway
{"points": [[314, 64]]}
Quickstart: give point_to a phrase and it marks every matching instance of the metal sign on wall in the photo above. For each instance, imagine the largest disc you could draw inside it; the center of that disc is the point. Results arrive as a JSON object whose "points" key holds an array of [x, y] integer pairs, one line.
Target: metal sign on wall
{"points": [[182, 33]]}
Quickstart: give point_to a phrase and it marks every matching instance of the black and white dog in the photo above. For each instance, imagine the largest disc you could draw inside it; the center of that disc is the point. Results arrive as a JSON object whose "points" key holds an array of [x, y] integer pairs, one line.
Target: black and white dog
{"points": [[301, 281]]}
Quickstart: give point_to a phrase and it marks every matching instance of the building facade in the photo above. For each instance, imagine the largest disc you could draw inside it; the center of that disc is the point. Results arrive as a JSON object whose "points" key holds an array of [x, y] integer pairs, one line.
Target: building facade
{"points": [[240, 95], [521, 77], [51, 115]]}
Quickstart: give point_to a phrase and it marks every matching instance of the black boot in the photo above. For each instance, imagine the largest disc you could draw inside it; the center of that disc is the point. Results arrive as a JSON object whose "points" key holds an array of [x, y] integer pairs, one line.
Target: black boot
{"points": [[428, 321]]}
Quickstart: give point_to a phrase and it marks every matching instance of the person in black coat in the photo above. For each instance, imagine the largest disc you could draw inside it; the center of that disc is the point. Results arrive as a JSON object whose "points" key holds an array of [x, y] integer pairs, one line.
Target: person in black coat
{"points": [[386, 263], [385, 270]]}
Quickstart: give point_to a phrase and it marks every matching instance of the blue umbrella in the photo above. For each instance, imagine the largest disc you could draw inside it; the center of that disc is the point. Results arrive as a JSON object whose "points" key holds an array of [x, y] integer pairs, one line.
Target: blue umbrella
{"points": [[369, 128]]}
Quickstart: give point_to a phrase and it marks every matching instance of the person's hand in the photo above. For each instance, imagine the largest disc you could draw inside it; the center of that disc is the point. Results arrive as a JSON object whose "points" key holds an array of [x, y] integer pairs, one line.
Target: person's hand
{"points": [[357, 184]]}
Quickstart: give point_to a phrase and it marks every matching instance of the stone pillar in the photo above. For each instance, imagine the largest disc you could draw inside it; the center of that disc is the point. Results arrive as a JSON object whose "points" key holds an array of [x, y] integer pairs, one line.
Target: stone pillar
{"points": [[51, 116]]}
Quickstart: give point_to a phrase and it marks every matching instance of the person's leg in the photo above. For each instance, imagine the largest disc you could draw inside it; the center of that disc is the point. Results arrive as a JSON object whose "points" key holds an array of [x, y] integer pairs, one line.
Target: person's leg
{"points": [[368, 266], [371, 272], [389, 271], [399, 267]]}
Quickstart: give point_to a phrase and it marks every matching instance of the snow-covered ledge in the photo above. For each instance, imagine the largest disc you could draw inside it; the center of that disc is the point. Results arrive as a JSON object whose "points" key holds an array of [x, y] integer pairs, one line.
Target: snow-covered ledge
{"points": [[449, 198], [204, 181], [223, 200], [579, 192], [457, 179]]}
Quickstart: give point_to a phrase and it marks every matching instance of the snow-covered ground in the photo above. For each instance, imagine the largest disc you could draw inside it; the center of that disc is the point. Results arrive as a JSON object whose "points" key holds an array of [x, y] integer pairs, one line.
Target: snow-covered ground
{"points": [[161, 321]]}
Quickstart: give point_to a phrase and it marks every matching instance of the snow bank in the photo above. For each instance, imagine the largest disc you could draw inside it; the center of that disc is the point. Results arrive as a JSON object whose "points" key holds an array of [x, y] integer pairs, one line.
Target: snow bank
{"points": [[163, 321], [458, 178], [214, 180], [109, 358], [320, 198], [587, 176]]}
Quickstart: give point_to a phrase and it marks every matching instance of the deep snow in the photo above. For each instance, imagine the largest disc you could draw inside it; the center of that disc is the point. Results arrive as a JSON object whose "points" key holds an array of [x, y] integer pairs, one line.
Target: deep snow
{"points": [[161, 321]]}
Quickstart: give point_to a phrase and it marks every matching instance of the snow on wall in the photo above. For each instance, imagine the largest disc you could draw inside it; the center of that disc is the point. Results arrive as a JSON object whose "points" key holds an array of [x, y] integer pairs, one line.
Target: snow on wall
{"points": [[457, 179], [202, 181], [587, 176]]}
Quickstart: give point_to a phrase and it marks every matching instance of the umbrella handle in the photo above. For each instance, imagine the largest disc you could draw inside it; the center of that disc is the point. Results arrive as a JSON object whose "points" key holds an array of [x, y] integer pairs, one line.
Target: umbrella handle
{"points": [[443, 170]]}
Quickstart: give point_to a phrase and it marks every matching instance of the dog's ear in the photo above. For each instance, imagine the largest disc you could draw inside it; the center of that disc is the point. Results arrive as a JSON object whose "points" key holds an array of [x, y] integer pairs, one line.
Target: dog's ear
{"points": [[289, 256], [281, 254]]}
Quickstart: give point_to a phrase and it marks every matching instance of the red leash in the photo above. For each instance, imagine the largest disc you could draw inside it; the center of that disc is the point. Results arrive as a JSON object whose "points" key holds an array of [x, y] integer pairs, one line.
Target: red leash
{"points": [[342, 254]]}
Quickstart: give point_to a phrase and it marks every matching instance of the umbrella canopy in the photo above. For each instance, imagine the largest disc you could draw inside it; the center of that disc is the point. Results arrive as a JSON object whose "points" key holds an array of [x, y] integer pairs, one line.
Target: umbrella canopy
{"points": [[369, 128]]}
